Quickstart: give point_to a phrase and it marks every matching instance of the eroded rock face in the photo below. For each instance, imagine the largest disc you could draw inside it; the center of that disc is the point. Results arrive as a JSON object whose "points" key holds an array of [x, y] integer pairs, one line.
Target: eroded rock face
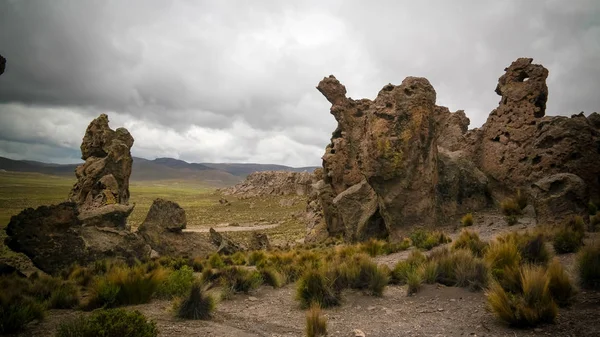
{"points": [[104, 177], [259, 241], [382, 157], [519, 145], [273, 183], [452, 127], [54, 237], [559, 198], [226, 245]]}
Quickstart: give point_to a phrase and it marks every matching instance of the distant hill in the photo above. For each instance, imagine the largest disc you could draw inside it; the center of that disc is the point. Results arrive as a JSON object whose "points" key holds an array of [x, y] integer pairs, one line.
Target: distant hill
{"points": [[222, 174]]}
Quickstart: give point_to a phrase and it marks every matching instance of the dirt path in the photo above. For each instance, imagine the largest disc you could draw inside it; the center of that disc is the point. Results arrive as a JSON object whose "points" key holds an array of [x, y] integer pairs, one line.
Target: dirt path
{"points": [[232, 228]]}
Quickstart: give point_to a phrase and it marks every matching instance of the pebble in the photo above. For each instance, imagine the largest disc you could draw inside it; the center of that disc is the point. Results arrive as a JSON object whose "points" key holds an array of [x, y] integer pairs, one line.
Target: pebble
{"points": [[252, 299]]}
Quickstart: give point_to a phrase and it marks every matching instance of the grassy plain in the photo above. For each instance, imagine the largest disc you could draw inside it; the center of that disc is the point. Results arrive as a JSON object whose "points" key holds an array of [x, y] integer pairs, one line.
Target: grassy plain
{"points": [[201, 203]]}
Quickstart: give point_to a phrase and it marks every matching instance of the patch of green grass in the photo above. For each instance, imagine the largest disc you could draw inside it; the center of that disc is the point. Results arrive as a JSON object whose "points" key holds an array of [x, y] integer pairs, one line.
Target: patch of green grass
{"points": [[424, 239], [177, 283], [110, 322]]}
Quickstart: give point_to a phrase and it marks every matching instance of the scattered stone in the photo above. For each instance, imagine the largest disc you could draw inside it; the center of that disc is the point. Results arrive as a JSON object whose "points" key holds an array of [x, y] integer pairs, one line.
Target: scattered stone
{"points": [[252, 299], [358, 333]]}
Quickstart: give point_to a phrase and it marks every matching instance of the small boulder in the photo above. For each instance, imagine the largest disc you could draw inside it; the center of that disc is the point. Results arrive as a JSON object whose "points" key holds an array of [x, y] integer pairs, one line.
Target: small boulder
{"points": [[560, 197], [164, 215], [259, 241], [225, 244]]}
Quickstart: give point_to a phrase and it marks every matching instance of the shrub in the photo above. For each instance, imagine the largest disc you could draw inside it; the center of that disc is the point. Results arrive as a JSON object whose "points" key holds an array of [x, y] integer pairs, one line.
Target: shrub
{"points": [[459, 268], [413, 280], [533, 248], [511, 210], [429, 272], [238, 259], [560, 286], [374, 247], [394, 247], [317, 286], [122, 286], [16, 309], [316, 324], [530, 306], [109, 323], [177, 283], [501, 255], [362, 273], [467, 220], [471, 241], [567, 240], [43, 286], [588, 265], [426, 240], [81, 275], [215, 261], [241, 279], [197, 305], [272, 277], [403, 268], [64, 297], [257, 258]]}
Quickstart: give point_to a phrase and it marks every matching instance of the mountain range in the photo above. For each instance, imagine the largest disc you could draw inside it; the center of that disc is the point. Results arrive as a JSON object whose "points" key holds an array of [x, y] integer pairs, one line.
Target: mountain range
{"points": [[220, 174]]}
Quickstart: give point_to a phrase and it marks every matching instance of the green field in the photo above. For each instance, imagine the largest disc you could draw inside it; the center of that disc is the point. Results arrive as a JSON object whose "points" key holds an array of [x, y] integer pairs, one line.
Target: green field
{"points": [[201, 203]]}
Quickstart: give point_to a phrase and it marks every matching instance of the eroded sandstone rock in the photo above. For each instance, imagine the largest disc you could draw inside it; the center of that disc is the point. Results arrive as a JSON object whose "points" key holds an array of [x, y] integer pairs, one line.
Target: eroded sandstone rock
{"points": [[226, 245], [559, 198], [273, 183], [54, 237], [104, 177]]}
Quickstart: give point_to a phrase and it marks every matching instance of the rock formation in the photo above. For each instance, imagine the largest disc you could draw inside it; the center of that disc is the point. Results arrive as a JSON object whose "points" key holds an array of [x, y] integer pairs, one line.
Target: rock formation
{"points": [[226, 244], [104, 177], [54, 237], [400, 160], [273, 183], [259, 241], [162, 230], [519, 145]]}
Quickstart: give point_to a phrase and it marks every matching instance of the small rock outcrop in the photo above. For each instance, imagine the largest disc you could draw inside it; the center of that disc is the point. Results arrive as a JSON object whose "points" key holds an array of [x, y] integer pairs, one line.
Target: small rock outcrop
{"points": [[559, 198], [273, 183], [162, 230], [54, 237], [226, 245], [104, 177], [259, 241]]}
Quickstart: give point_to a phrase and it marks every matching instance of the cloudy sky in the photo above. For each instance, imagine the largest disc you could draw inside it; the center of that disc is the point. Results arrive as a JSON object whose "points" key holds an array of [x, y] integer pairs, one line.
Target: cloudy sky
{"points": [[234, 81]]}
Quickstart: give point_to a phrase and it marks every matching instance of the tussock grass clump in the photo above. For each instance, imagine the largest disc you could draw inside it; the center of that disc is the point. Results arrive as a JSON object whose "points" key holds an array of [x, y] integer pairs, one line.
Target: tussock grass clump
{"points": [[595, 223], [239, 259], [364, 274], [17, 308], [44, 286], [471, 241], [317, 286], [467, 220], [530, 306], [429, 272], [533, 248], [560, 285], [82, 276], [109, 322], [521, 199], [316, 323], [394, 247], [588, 265], [374, 247], [66, 296], [569, 238], [413, 281], [241, 279], [177, 283], [511, 209], [459, 268], [423, 239], [403, 268], [216, 261], [197, 305], [272, 277], [257, 258], [122, 285], [503, 257]]}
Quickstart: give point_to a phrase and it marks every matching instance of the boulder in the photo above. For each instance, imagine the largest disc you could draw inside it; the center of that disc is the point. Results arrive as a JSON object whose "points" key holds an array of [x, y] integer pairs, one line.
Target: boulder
{"points": [[226, 245], [259, 241], [104, 177], [357, 207], [54, 237], [559, 198], [162, 230]]}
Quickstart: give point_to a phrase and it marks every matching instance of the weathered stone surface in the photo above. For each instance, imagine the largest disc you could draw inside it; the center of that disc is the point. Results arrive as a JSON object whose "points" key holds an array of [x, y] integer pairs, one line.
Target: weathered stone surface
{"points": [[462, 187], [518, 145], [273, 183], [452, 127], [390, 143], [2, 64], [226, 245], [560, 197], [259, 241], [104, 177], [114, 215], [162, 230], [54, 237], [357, 207]]}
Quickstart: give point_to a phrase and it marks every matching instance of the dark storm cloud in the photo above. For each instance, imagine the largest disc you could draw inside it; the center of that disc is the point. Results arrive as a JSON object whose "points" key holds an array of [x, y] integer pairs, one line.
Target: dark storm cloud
{"points": [[234, 80]]}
